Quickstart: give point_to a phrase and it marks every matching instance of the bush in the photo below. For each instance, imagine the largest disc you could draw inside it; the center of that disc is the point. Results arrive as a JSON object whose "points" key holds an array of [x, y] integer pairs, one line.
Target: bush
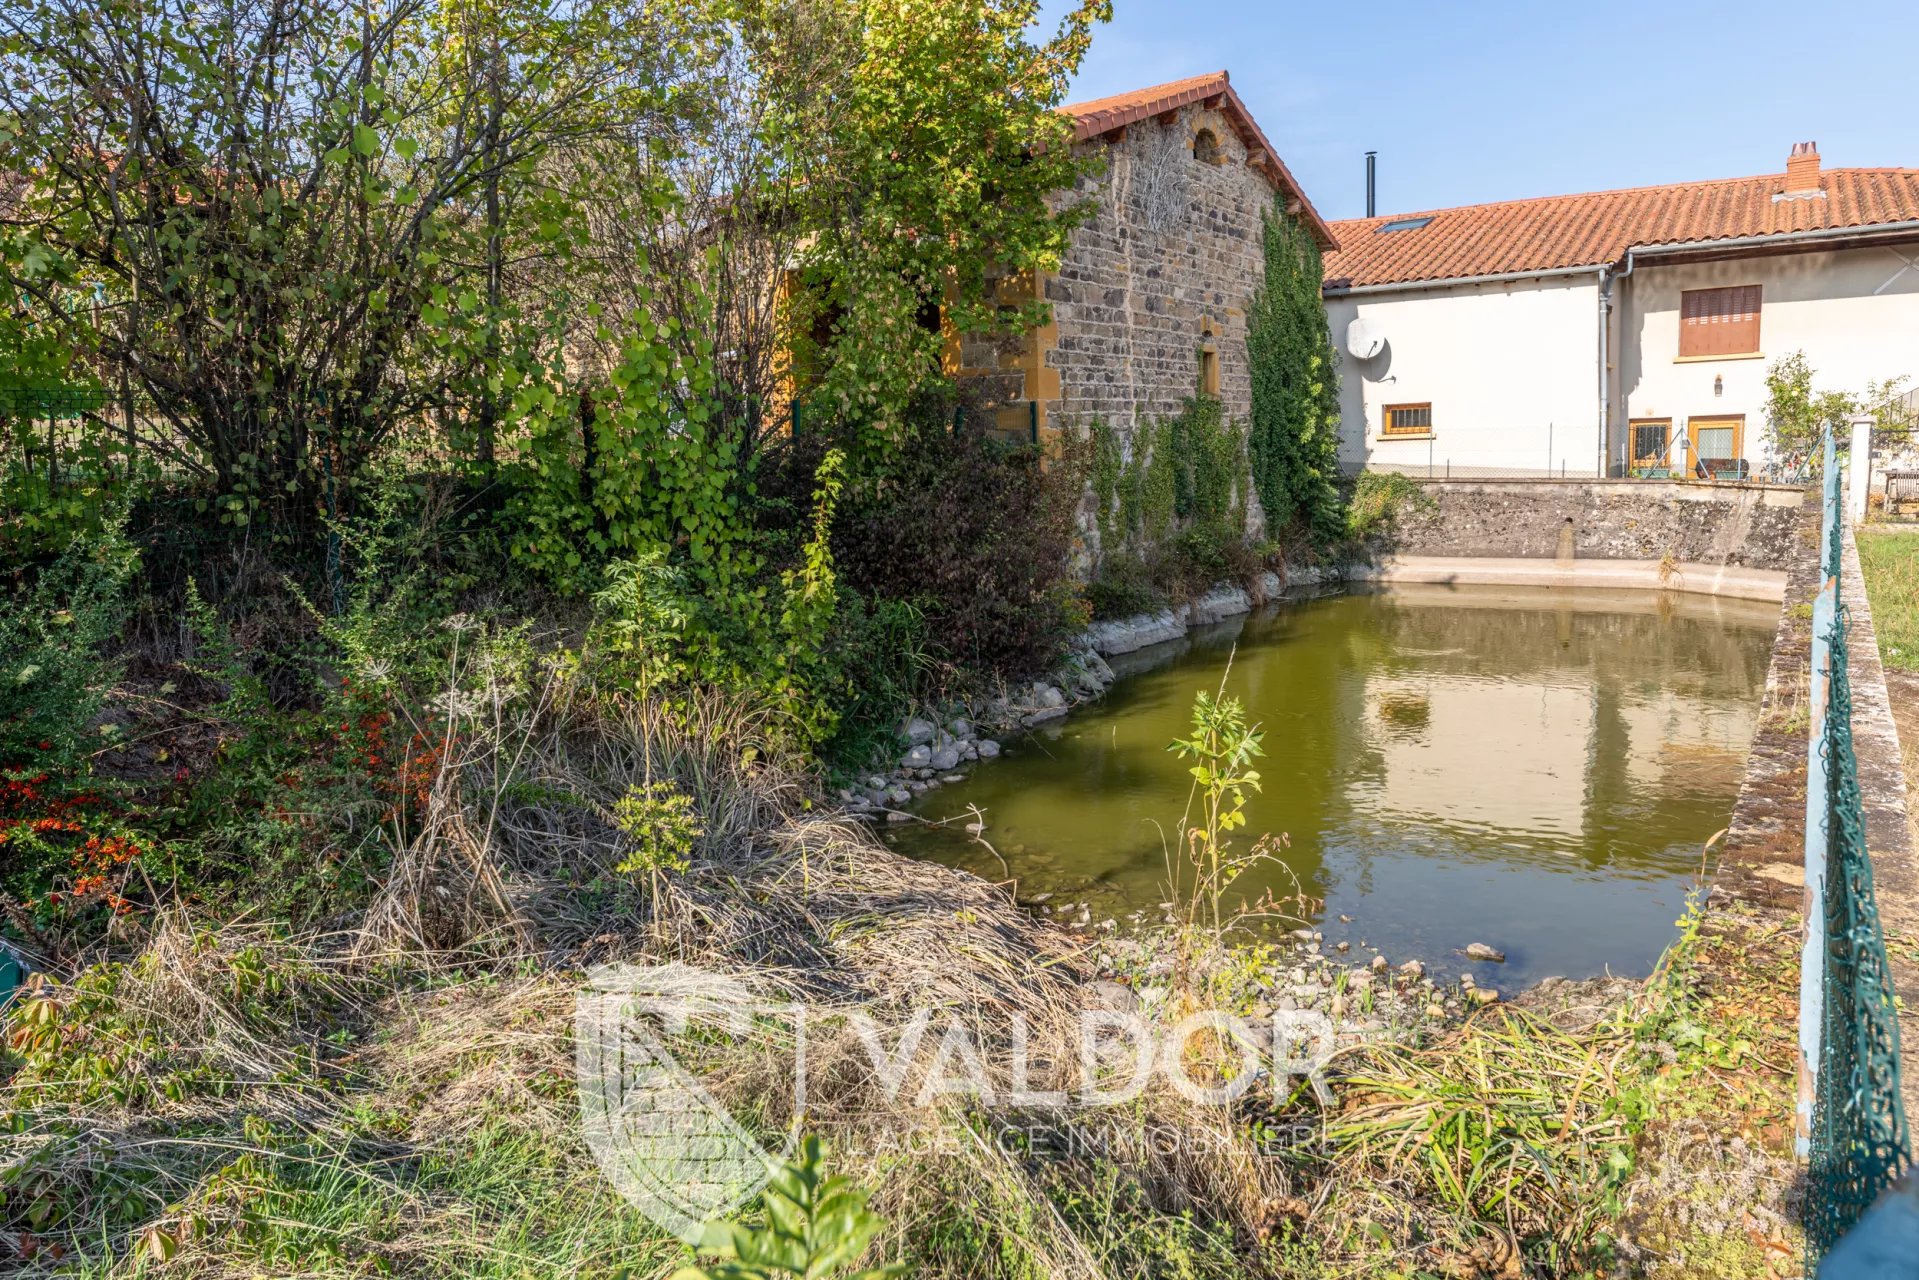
{"points": [[1123, 587], [56, 827], [1378, 498], [1172, 517], [976, 534], [878, 648], [53, 673]]}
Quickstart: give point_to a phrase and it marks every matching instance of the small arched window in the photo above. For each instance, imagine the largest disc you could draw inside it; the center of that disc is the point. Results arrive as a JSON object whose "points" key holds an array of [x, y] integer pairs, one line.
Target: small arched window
{"points": [[1206, 147]]}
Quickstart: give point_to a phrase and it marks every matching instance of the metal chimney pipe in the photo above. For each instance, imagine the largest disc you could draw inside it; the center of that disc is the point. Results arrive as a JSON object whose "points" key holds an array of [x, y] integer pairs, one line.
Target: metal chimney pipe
{"points": [[1372, 165]]}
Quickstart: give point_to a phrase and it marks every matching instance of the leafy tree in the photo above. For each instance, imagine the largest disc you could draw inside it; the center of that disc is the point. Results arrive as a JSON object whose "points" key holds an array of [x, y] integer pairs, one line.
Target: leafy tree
{"points": [[919, 148], [1797, 416], [293, 206], [1294, 439]]}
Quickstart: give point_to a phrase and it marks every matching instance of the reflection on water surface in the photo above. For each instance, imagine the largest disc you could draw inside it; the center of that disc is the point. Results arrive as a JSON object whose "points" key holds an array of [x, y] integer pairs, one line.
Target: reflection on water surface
{"points": [[1532, 768]]}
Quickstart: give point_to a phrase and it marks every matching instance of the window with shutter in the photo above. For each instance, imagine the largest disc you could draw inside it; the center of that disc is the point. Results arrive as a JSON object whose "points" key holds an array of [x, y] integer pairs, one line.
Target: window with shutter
{"points": [[1719, 322]]}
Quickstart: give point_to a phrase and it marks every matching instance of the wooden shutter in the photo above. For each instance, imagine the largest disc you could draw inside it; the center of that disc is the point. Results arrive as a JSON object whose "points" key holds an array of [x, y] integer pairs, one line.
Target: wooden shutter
{"points": [[1719, 322]]}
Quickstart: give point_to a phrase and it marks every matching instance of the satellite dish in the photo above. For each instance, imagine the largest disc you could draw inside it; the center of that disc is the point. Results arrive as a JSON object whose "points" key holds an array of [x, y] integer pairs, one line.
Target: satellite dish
{"points": [[1363, 341]]}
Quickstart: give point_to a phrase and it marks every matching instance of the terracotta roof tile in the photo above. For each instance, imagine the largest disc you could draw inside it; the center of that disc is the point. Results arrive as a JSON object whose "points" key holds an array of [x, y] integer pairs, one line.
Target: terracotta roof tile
{"points": [[1102, 116], [1598, 227]]}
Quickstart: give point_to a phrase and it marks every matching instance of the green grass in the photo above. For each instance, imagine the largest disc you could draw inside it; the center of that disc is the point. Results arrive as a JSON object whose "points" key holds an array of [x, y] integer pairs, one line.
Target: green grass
{"points": [[1891, 565]]}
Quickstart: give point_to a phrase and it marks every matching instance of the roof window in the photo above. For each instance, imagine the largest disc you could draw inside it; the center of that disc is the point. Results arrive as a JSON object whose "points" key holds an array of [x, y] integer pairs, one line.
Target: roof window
{"points": [[1403, 224]]}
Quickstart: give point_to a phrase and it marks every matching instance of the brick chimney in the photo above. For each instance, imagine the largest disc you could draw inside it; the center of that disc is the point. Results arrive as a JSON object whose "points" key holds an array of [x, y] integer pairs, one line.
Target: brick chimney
{"points": [[1802, 169]]}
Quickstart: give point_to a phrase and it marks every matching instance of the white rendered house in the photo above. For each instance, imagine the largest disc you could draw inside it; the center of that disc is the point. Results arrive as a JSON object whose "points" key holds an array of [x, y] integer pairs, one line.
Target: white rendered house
{"points": [[1618, 332]]}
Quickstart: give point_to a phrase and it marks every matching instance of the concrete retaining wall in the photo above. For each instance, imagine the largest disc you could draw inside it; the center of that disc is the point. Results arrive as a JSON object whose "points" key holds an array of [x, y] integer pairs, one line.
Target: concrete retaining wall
{"points": [[1726, 540], [1742, 525]]}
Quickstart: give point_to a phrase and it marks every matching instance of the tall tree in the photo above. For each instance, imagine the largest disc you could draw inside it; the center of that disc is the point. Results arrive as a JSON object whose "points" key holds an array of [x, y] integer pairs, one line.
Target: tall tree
{"points": [[922, 155], [841, 171], [298, 193]]}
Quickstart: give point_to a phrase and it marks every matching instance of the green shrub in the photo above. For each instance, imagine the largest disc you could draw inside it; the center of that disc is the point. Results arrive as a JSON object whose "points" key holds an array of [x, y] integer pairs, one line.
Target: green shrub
{"points": [[661, 823], [54, 674], [664, 624], [1124, 586], [65, 845], [977, 535], [879, 650], [1378, 499], [817, 1227], [1172, 517]]}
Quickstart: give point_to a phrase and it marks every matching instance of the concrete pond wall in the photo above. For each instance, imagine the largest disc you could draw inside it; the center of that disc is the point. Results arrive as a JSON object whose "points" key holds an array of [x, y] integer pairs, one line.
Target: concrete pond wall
{"points": [[1731, 540], [1748, 526]]}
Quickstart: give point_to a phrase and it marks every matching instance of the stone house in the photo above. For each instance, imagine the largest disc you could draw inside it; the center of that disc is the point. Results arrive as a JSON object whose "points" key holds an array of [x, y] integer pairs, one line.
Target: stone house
{"points": [[1150, 301]]}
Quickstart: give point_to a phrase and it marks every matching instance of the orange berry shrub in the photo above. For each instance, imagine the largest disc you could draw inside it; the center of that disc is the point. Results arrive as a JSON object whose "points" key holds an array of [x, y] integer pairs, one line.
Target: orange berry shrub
{"points": [[300, 810], [66, 843], [301, 807]]}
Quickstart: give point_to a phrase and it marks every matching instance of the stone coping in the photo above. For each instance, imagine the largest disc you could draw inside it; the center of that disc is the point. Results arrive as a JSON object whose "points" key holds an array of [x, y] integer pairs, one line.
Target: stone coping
{"points": [[1775, 495], [1653, 575]]}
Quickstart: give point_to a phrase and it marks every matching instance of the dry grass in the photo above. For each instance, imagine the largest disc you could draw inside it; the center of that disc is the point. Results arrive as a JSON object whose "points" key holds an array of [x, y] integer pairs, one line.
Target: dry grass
{"points": [[399, 1098]]}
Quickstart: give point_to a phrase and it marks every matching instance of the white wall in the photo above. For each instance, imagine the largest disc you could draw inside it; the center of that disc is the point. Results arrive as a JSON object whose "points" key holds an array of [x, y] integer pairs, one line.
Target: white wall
{"points": [[1824, 304], [1508, 368]]}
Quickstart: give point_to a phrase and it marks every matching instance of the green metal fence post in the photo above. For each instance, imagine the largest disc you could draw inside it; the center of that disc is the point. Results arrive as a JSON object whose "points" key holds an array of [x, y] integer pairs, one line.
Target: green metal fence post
{"points": [[11, 974]]}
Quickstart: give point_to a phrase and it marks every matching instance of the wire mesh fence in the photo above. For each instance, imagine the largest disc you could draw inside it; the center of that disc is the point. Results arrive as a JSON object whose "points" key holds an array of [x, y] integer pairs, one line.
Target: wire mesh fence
{"points": [[1859, 1142], [1728, 471], [1645, 451]]}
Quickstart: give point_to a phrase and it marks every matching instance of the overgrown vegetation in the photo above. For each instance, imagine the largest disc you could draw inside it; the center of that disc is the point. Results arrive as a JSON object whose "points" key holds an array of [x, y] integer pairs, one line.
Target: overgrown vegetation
{"points": [[1170, 506], [975, 535], [1379, 498], [1294, 437], [390, 1089], [420, 601]]}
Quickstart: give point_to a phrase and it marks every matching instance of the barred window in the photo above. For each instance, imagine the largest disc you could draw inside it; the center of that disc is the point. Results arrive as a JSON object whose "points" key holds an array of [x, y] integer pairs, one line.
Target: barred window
{"points": [[1409, 419]]}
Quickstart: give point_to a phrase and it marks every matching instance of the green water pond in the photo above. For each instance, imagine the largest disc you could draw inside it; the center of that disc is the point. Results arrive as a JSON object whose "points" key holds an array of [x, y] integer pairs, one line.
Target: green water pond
{"points": [[1531, 768]]}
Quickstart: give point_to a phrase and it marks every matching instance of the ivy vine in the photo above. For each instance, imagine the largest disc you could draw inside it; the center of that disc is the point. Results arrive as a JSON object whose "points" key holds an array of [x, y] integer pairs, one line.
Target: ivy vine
{"points": [[1294, 437]]}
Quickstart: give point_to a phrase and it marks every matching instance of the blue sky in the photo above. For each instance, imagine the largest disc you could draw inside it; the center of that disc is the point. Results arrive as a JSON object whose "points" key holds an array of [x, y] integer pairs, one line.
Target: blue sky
{"points": [[1497, 100]]}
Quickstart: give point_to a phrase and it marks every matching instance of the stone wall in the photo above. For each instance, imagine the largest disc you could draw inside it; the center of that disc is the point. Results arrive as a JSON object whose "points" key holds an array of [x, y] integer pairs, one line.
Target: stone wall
{"points": [[1164, 266], [1746, 525]]}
